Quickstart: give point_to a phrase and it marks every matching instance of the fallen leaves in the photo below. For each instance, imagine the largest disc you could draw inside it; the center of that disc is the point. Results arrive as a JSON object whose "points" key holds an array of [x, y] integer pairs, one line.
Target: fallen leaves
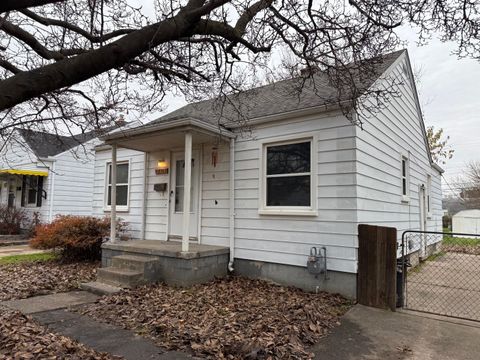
{"points": [[27, 279], [22, 338], [233, 318]]}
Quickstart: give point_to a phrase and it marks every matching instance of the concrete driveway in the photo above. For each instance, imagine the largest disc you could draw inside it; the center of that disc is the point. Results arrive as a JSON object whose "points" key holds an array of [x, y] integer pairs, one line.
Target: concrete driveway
{"points": [[367, 333], [447, 285]]}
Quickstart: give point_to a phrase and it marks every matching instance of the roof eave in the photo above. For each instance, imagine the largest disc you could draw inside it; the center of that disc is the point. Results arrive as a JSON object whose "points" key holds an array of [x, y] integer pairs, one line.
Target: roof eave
{"points": [[438, 168], [168, 125]]}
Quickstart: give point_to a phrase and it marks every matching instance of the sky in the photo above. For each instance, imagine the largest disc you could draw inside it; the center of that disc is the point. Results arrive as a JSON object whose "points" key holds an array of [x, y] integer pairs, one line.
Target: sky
{"points": [[449, 91]]}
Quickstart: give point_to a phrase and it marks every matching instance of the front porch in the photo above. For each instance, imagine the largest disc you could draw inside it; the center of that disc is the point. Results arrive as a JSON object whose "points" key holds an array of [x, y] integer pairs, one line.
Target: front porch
{"points": [[134, 262], [171, 206]]}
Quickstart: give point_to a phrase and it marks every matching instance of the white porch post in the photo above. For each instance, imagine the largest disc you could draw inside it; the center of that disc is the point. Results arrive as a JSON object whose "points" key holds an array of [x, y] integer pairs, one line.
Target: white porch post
{"points": [[113, 196], [187, 192]]}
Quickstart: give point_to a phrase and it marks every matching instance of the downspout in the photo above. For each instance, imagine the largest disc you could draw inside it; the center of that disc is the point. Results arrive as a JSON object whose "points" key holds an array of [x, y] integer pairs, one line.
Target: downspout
{"points": [[232, 205], [51, 196], [145, 189]]}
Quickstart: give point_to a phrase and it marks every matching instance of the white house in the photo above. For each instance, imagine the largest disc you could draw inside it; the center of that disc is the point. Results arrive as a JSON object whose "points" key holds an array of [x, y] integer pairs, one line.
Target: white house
{"points": [[302, 176], [47, 173], [467, 222]]}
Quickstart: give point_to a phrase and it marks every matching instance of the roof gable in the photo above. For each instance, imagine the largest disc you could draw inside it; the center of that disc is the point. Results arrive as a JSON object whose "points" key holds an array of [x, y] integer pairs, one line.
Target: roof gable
{"points": [[45, 144]]}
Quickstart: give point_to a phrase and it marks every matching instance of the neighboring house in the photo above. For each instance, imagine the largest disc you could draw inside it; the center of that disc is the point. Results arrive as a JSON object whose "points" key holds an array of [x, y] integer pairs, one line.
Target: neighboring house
{"points": [[47, 173], [467, 222], [301, 176]]}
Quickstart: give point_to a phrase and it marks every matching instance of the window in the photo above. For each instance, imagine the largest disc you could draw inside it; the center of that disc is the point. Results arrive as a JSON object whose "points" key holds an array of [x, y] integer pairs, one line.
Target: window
{"points": [[122, 185], [429, 196], [32, 191], [287, 178], [405, 178]]}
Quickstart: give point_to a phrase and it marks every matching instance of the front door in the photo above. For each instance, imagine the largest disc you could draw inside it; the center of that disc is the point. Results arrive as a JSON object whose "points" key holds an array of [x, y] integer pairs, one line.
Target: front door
{"points": [[177, 191]]}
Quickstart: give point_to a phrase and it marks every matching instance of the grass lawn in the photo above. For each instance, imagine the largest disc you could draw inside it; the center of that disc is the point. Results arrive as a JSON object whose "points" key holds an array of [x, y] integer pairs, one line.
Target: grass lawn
{"points": [[14, 259], [460, 244]]}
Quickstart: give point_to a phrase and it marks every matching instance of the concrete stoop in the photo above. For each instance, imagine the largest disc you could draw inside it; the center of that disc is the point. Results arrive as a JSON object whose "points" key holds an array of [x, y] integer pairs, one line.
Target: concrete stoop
{"points": [[126, 271], [132, 263]]}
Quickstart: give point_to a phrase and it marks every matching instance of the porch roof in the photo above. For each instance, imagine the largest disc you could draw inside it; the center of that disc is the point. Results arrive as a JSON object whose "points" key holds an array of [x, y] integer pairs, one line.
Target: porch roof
{"points": [[24, 172], [165, 135]]}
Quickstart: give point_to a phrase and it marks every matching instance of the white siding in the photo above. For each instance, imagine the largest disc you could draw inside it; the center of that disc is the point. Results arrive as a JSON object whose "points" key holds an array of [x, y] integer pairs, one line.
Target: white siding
{"points": [[287, 239], [134, 214], [73, 181], [387, 135], [215, 196], [156, 217]]}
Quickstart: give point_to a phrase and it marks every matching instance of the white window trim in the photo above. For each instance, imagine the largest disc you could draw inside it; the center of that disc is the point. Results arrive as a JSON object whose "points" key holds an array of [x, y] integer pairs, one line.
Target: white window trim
{"points": [[429, 196], [119, 208], [311, 210], [405, 198]]}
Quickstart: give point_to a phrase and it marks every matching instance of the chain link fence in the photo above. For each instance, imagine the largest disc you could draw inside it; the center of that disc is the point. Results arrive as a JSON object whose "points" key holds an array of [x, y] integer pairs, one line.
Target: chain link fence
{"points": [[443, 275]]}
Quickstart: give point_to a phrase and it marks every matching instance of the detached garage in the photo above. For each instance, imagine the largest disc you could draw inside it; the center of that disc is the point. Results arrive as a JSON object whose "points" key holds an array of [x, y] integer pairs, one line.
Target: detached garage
{"points": [[466, 221]]}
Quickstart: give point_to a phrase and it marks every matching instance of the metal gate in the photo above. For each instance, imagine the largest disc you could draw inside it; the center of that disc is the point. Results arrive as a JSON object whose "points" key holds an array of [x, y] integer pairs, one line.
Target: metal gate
{"points": [[443, 273]]}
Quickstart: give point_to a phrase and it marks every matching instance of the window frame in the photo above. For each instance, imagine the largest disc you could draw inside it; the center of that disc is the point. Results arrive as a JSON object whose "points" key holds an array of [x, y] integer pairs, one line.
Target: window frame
{"points": [[119, 208], [405, 196], [311, 210]]}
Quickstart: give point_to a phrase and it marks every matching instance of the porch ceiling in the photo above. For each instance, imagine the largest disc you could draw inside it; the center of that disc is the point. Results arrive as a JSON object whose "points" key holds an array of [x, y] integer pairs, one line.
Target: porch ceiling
{"points": [[166, 136]]}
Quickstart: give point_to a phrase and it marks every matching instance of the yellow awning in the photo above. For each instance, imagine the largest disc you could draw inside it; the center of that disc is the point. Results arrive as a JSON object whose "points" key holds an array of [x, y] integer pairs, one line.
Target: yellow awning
{"points": [[24, 172]]}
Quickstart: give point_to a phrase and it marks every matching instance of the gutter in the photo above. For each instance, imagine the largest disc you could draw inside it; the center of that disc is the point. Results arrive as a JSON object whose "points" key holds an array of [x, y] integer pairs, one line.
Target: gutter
{"points": [[231, 231], [438, 168]]}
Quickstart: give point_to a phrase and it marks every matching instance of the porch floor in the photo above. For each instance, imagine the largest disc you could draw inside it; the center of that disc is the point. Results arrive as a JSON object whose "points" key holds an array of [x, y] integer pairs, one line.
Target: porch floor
{"points": [[166, 248]]}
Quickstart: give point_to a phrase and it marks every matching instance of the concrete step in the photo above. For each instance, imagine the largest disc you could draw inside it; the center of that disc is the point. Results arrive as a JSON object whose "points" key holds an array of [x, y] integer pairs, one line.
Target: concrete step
{"points": [[99, 288], [120, 277], [134, 262]]}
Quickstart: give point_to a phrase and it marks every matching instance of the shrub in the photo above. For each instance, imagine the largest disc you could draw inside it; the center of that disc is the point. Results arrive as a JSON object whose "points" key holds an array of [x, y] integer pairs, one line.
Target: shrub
{"points": [[12, 220], [77, 237]]}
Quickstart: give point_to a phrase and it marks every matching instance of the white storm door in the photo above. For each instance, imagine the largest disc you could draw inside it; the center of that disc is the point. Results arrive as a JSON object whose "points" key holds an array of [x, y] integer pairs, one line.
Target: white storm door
{"points": [[177, 191]]}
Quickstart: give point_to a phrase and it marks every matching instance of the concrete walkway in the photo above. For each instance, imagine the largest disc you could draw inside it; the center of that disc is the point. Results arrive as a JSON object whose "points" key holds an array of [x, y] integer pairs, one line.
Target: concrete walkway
{"points": [[52, 311], [18, 250], [367, 333]]}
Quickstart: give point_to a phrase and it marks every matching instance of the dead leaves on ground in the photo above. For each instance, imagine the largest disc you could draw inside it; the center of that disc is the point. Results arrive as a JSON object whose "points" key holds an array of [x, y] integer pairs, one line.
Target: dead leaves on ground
{"points": [[26, 279], [23, 339], [234, 318]]}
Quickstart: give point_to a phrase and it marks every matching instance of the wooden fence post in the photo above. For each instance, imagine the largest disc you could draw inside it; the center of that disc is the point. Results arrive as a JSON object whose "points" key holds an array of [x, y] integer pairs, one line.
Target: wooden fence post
{"points": [[377, 266]]}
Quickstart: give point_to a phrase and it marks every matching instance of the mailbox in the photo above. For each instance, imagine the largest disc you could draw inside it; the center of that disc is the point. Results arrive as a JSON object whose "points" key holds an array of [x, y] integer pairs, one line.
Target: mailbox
{"points": [[160, 187]]}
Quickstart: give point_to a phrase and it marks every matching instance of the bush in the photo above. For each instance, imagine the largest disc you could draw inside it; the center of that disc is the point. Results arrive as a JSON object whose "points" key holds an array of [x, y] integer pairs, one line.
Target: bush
{"points": [[77, 237], [12, 220]]}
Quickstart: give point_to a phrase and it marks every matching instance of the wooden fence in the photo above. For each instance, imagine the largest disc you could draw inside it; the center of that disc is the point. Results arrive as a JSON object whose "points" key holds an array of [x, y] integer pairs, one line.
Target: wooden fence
{"points": [[377, 255]]}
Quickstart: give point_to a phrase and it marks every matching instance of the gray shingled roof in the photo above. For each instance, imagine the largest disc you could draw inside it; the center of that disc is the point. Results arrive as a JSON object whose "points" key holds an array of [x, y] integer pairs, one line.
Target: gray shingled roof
{"points": [[45, 144], [279, 97]]}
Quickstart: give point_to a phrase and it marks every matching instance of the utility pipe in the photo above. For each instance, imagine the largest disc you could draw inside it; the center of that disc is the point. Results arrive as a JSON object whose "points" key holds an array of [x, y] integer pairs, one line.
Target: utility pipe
{"points": [[146, 160], [231, 231]]}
